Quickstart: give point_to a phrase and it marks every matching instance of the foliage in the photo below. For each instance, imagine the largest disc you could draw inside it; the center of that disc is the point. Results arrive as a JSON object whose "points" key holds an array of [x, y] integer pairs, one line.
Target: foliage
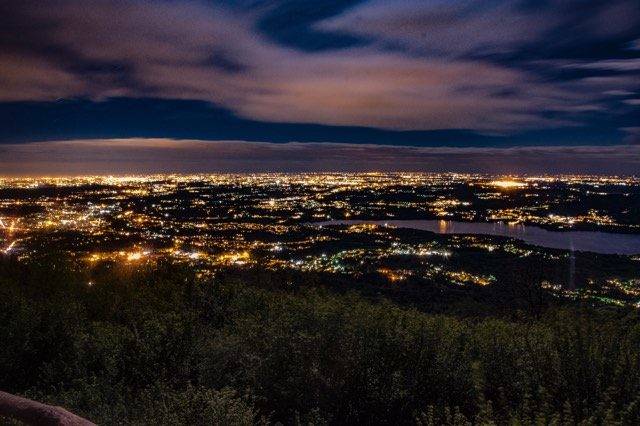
{"points": [[157, 345]]}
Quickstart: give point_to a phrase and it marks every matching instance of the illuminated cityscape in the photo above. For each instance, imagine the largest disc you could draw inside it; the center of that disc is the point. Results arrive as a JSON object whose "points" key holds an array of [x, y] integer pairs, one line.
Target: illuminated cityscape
{"points": [[318, 223], [320, 213]]}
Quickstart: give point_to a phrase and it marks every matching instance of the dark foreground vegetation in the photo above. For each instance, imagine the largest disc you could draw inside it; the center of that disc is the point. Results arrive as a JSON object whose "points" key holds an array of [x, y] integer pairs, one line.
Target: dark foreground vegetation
{"points": [[156, 345]]}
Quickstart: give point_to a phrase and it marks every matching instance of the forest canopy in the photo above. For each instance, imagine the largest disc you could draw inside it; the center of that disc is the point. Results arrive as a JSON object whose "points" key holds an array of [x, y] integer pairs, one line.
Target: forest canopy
{"points": [[157, 344]]}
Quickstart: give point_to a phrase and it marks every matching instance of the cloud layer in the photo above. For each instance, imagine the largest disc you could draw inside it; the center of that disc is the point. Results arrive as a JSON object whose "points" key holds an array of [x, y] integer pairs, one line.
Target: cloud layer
{"points": [[137, 156], [419, 65]]}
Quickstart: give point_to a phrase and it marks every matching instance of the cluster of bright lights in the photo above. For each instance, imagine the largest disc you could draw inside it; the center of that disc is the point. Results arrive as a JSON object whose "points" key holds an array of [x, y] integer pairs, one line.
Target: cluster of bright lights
{"points": [[221, 221], [508, 184]]}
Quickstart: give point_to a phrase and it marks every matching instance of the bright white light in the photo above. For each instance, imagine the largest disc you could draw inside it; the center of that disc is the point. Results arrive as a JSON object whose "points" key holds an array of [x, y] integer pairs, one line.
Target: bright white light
{"points": [[508, 184]]}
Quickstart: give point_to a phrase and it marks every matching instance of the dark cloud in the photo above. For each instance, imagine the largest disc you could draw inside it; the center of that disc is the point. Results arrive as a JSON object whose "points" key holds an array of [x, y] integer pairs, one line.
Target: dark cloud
{"points": [[445, 28], [621, 65], [162, 155], [479, 29], [393, 64]]}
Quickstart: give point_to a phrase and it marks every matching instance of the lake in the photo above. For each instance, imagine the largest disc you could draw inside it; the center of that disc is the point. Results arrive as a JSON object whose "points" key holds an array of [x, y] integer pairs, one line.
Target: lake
{"points": [[596, 242]]}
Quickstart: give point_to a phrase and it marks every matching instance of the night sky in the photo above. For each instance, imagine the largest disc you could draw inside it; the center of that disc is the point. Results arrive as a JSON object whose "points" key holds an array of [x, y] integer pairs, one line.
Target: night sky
{"points": [[556, 82]]}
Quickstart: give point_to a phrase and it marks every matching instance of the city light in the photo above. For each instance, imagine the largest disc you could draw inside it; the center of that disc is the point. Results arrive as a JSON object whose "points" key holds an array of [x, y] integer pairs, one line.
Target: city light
{"points": [[212, 222], [508, 184]]}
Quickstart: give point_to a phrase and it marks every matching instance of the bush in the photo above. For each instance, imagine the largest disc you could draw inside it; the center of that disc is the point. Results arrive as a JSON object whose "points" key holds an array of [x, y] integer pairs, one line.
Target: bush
{"points": [[157, 346]]}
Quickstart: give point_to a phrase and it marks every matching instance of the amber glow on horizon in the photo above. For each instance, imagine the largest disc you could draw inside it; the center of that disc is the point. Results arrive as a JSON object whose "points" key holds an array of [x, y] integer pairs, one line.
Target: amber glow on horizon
{"points": [[508, 184]]}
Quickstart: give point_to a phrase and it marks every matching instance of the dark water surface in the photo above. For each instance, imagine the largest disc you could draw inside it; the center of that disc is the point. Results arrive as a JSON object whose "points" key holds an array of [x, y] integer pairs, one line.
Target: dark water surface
{"points": [[596, 242]]}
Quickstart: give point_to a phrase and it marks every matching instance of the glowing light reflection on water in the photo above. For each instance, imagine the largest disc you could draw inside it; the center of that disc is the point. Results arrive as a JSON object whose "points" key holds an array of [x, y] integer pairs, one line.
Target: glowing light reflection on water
{"points": [[596, 242]]}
